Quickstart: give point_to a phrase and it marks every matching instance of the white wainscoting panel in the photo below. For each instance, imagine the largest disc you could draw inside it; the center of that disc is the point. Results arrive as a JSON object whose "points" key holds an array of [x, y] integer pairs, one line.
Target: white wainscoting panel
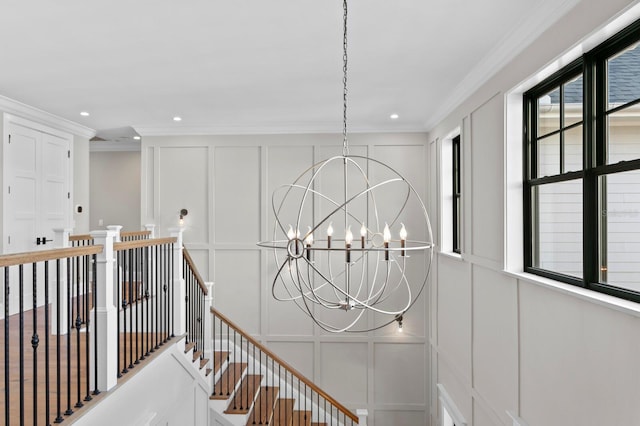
{"points": [[343, 372], [237, 195], [300, 355], [495, 338], [487, 134], [184, 183], [399, 418], [237, 287], [398, 373]]}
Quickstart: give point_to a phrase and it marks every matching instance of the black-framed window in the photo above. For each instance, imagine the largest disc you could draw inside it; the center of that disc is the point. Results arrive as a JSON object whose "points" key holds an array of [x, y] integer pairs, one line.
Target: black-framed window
{"points": [[582, 170], [456, 199]]}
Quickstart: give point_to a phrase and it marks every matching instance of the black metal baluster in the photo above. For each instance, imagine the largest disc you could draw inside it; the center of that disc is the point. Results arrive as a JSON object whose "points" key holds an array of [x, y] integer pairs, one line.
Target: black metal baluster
{"points": [[172, 289], [166, 294], [46, 344], [119, 311], [124, 313], [69, 411], [21, 342], [146, 298], [156, 296], [85, 304], [6, 346], [59, 418], [130, 298], [141, 290], [136, 300], [78, 325], [95, 325], [34, 343]]}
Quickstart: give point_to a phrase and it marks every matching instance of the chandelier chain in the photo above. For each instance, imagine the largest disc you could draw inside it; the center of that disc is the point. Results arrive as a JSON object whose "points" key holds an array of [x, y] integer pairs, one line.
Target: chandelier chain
{"points": [[345, 147]]}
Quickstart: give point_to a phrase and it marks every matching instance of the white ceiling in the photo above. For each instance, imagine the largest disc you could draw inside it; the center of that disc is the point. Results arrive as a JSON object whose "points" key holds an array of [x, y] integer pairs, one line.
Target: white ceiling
{"points": [[246, 66]]}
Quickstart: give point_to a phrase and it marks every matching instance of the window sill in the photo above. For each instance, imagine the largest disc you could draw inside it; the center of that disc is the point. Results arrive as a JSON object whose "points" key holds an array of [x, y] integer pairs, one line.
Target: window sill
{"points": [[451, 255], [611, 302]]}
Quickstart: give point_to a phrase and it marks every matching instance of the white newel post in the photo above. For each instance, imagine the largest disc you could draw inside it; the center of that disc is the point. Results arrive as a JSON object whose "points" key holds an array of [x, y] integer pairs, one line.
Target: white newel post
{"points": [[208, 322], [60, 240], [61, 237], [117, 229], [104, 314], [179, 287], [151, 228], [362, 414]]}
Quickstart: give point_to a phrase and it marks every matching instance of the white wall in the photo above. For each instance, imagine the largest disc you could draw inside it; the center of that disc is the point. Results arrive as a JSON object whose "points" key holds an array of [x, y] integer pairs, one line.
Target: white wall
{"points": [[81, 187], [550, 353], [115, 189], [225, 182]]}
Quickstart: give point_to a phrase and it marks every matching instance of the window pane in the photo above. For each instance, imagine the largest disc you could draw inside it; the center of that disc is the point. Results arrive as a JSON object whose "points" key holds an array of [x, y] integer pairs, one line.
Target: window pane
{"points": [[573, 101], [623, 128], [622, 73], [619, 263], [573, 149], [558, 227], [549, 112], [549, 156]]}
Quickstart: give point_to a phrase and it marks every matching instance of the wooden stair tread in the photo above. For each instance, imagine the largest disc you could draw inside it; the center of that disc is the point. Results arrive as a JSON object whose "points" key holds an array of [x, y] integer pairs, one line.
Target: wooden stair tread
{"points": [[197, 355], [318, 424], [283, 413], [218, 359], [243, 399], [263, 407], [301, 418], [203, 362], [227, 382], [189, 346], [208, 372]]}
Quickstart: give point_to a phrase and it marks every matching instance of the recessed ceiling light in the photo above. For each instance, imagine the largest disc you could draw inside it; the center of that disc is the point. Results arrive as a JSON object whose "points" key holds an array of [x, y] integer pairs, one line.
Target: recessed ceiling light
{"points": [[394, 116], [176, 118], [84, 114], [136, 138]]}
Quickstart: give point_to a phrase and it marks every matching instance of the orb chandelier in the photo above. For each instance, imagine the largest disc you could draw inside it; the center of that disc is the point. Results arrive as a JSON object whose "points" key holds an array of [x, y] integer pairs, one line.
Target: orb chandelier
{"points": [[333, 276]]}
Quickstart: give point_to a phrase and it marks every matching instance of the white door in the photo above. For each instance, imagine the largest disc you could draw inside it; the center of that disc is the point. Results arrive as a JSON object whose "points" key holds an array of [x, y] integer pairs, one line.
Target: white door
{"points": [[37, 180]]}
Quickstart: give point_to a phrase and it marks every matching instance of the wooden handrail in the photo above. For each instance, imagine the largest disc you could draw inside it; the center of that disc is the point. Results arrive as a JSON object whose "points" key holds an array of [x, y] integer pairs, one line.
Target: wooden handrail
{"points": [[80, 237], [192, 265], [134, 234], [293, 371], [44, 255], [126, 245]]}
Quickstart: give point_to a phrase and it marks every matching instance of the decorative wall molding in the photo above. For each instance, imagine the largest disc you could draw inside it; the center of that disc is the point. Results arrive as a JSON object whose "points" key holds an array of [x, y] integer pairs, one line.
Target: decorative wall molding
{"points": [[270, 129], [34, 114], [506, 50], [111, 146]]}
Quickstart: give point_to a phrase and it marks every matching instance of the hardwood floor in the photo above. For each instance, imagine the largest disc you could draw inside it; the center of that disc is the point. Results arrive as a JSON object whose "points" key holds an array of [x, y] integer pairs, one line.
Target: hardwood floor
{"points": [[38, 395]]}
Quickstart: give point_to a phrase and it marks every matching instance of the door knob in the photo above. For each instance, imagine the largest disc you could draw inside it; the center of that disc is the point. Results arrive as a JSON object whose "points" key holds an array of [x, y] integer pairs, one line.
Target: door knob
{"points": [[42, 240]]}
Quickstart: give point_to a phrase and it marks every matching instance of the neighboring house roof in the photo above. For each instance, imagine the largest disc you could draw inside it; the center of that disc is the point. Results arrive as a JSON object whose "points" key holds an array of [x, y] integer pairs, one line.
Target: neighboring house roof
{"points": [[624, 81]]}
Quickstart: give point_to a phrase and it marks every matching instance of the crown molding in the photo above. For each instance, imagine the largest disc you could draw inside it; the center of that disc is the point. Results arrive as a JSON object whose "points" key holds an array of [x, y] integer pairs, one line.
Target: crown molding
{"points": [[505, 51], [39, 116], [111, 146], [276, 129]]}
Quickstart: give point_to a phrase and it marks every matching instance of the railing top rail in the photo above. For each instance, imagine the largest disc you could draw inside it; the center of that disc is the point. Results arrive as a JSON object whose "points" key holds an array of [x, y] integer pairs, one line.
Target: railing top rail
{"points": [[284, 364], [126, 245], [80, 237], [134, 234], [41, 256], [192, 265]]}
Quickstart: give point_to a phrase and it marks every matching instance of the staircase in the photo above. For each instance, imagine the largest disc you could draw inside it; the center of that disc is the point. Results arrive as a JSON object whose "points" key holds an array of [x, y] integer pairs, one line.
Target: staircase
{"points": [[247, 392]]}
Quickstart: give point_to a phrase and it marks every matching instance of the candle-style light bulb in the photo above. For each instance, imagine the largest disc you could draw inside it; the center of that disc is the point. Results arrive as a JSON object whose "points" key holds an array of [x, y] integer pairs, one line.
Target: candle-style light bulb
{"points": [[348, 237], [403, 232], [290, 234], [386, 235], [309, 238], [363, 234], [329, 234], [181, 221]]}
